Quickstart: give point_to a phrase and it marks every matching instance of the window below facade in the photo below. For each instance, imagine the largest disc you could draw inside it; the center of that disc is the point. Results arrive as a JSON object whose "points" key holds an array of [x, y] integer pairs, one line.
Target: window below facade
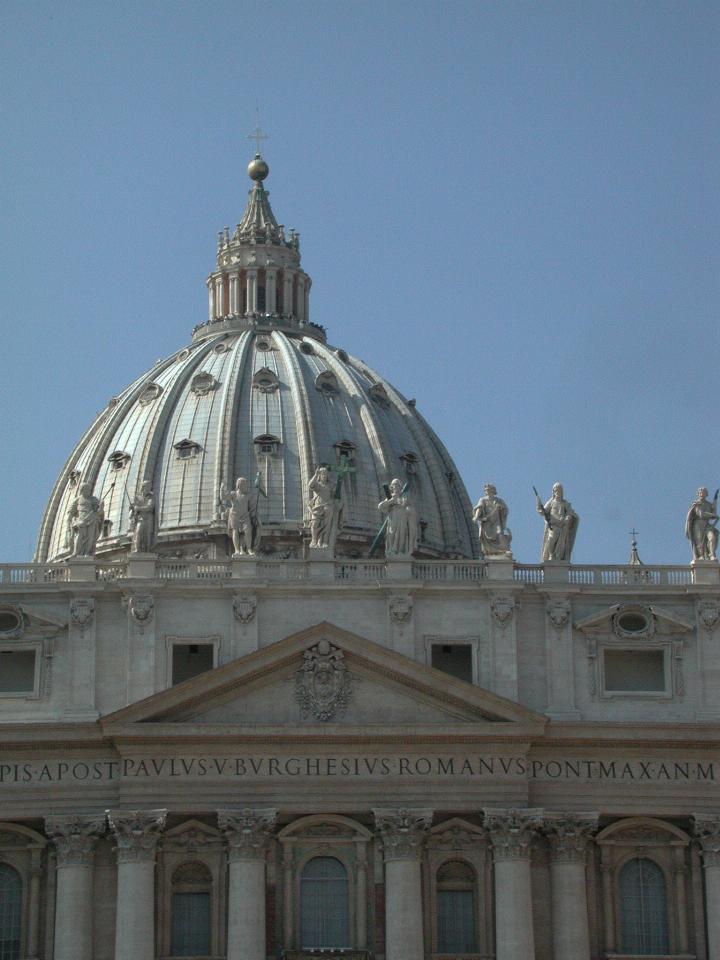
{"points": [[634, 671], [190, 931], [17, 674], [643, 909], [456, 931], [189, 660], [324, 912], [455, 659], [10, 912]]}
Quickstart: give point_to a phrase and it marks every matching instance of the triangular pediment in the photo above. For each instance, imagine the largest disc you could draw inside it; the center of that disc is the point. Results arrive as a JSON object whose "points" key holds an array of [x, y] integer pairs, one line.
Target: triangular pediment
{"points": [[658, 619], [324, 676]]}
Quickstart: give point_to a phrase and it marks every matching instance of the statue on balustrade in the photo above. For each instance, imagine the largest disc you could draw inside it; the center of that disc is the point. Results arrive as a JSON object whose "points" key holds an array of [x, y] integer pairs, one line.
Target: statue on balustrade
{"points": [[561, 523], [491, 515], [400, 528], [701, 526], [326, 507], [84, 523], [240, 512], [142, 516]]}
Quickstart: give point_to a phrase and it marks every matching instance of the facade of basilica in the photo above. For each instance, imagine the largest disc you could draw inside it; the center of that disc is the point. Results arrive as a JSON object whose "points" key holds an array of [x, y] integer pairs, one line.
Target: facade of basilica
{"points": [[273, 688]]}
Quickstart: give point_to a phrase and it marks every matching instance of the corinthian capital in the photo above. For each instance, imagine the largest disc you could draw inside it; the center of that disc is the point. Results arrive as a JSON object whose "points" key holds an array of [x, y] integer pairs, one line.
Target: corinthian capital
{"points": [[707, 830], [247, 831], [511, 831], [402, 831], [136, 832], [75, 838], [569, 835]]}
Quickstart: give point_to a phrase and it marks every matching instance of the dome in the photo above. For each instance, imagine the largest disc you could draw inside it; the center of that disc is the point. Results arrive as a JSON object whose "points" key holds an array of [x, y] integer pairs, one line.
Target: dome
{"points": [[259, 393]]}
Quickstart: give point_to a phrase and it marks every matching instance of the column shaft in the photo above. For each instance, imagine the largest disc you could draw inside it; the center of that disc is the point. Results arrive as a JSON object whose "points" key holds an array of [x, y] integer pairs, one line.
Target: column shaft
{"points": [[571, 933], [73, 912], [403, 910], [712, 909], [135, 920], [246, 910], [513, 910]]}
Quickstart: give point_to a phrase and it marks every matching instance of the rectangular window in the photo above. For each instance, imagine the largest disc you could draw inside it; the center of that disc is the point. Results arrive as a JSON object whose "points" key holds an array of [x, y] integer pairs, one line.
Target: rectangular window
{"points": [[635, 671], [17, 671], [191, 659], [455, 659]]}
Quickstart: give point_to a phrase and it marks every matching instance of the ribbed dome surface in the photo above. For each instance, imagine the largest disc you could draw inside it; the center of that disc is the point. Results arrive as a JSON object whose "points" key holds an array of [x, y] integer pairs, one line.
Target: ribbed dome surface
{"points": [[263, 403]]}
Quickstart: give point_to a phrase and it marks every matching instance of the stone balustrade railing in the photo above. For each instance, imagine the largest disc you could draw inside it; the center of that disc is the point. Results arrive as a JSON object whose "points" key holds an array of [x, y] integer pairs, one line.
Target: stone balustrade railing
{"points": [[446, 572]]}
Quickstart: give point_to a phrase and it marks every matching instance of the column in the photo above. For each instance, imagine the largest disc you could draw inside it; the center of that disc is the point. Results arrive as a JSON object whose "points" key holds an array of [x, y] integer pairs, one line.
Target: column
{"points": [[75, 839], [235, 294], [136, 833], [288, 276], [301, 297], [36, 874], [270, 291], [402, 833], [308, 283], [707, 830], [211, 300], [246, 832], [251, 291], [219, 298], [569, 835], [361, 905], [511, 833]]}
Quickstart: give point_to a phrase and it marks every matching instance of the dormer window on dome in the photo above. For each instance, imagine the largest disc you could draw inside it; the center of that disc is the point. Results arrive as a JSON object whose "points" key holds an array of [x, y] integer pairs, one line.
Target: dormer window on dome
{"points": [[379, 395], [266, 444], [327, 382], [410, 462], [187, 449], [265, 380], [150, 392], [345, 451], [118, 460]]}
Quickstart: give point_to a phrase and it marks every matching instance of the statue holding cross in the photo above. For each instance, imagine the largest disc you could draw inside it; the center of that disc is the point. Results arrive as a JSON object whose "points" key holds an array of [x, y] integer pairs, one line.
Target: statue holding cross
{"points": [[326, 504]]}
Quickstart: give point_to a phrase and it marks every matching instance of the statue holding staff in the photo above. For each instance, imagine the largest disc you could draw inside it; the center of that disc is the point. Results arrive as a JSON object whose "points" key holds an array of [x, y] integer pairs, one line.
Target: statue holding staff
{"points": [[241, 516], [400, 527], [84, 523], [142, 514], [326, 507], [701, 526], [561, 523]]}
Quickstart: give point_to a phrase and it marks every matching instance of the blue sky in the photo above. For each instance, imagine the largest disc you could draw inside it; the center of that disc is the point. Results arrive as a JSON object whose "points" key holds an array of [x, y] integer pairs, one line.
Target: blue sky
{"points": [[509, 209]]}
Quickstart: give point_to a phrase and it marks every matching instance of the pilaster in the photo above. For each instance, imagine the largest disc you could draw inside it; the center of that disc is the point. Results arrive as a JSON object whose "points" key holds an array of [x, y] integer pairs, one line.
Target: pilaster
{"points": [[503, 626], [81, 641], [707, 831], [141, 646], [560, 657]]}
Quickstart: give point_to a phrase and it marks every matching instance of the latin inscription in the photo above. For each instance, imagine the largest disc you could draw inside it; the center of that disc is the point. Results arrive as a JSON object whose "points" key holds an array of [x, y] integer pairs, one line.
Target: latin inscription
{"points": [[365, 768]]}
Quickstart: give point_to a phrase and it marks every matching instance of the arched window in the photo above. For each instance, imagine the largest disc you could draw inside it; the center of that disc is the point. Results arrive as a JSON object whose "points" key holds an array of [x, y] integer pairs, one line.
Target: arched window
{"points": [[324, 918], [10, 912], [191, 892], [456, 908], [643, 909]]}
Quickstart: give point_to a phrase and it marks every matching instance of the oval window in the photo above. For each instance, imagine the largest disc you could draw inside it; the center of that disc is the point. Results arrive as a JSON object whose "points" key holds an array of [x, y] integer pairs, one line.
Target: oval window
{"points": [[9, 621], [632, 622]]}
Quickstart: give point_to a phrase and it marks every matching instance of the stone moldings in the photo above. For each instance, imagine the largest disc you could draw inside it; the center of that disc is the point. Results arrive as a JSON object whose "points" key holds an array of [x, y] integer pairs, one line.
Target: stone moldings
{"points": [[244, 609], [141, 608], [401, 608], [323, 687], [75, 838], [247, 831], [569, 834], [512, 831], [707, 831], [136, 832], [402, 831], [82, 611], [558, 612], [503, 609]]}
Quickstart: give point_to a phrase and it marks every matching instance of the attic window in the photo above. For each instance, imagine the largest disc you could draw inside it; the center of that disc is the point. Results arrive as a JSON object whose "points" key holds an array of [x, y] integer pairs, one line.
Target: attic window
{"points": [[635, 671], [306, 348], [455, 659], [118, 460], [345, 450], [187, 449], [150, 392], [18, 674], [410, 461], [266, 444], [342, 356], [263, 345], [203, 383], [326, 382], [265, 380], [191, 659], [379, 395]]}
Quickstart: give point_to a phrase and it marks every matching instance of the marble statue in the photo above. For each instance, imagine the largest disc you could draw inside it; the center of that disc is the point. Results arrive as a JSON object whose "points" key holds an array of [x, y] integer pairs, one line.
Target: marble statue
{"points": [[401, 527], [241, 515], [326, 509], [701, 526], [491, 515], [142, 515], [85, 520], [561, 523]]}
